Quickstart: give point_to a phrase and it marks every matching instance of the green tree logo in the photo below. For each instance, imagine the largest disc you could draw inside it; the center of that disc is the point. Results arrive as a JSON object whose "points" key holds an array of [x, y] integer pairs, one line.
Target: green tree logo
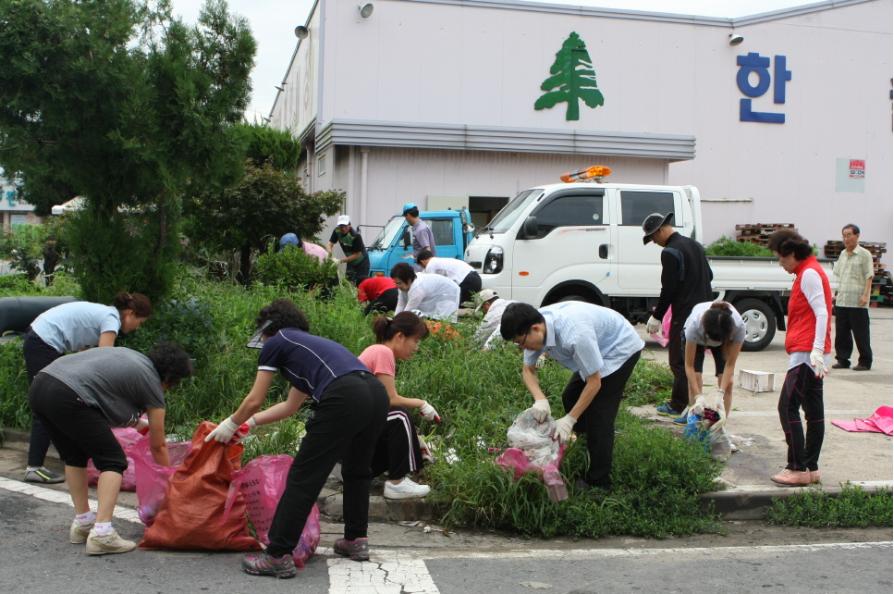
{"points": [[573, 79]]}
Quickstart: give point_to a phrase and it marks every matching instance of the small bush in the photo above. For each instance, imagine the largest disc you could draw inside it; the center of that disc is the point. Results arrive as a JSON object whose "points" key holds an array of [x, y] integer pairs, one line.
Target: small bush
{"points": [[729, 247], [293, 269], [853, 508]]}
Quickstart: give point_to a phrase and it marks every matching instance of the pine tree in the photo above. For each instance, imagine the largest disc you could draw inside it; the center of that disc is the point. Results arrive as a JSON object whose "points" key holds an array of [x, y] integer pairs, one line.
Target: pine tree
{"points": [[573, 79]]}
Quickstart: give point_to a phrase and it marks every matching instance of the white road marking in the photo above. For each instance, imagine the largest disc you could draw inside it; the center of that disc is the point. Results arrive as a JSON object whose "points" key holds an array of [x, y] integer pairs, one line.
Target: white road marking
{"points": [[54, 496], [397, 571]]}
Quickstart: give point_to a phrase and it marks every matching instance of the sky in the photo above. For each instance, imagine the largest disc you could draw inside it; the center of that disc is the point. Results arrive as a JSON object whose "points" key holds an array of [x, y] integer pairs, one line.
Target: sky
{"points": [[273, 23]]}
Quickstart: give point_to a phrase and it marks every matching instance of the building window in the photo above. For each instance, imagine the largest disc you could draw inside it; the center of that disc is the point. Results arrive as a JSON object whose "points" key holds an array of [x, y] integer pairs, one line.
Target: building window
{"points": [[321, 165]]}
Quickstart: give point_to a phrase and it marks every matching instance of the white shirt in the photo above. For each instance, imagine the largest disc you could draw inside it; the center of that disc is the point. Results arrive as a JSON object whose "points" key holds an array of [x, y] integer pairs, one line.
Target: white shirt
{"points": [[488, 331], [694, 332], [455, 270], [432, 296]]}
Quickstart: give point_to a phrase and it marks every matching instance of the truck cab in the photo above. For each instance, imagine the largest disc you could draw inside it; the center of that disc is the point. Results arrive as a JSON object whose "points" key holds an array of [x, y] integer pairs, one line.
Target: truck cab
{"points": [[453, 231]]}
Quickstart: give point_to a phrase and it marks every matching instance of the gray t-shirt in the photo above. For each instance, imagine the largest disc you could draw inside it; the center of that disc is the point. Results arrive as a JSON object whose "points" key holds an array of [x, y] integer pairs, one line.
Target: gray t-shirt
{"points": [[693, 331], [423, 238], [120, 382]]}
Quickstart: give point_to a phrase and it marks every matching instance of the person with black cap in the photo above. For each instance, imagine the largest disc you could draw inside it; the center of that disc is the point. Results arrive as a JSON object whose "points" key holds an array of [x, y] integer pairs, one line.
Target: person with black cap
{"points": [[685, 281], [356, 260], [422, 234]]}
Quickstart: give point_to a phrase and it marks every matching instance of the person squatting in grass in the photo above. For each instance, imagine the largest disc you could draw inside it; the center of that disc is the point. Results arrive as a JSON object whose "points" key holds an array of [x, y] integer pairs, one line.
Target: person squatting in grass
{"points": [[718, 326], [462, 274], [79, 398], [601, 348], [427, 295], [350, 408], [809, 346], [398, 450], [69, 328]]}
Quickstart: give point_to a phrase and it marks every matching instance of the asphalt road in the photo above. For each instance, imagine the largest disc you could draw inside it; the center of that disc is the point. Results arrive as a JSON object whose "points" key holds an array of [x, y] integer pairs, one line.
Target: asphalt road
{"points": [[37, 558]]}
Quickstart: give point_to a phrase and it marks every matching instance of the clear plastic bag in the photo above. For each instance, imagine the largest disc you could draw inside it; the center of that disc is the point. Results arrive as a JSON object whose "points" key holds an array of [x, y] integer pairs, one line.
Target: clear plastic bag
{"points": [[533, 449]]}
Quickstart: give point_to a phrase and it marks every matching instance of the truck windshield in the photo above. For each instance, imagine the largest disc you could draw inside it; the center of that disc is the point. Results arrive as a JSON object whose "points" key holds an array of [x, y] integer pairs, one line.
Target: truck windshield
{"points": [[509, 213], [386, 236]]}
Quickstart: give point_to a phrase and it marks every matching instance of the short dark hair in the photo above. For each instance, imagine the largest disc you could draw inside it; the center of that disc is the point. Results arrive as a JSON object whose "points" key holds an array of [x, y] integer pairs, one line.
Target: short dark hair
{"points": [[424, 254], [517, 320], [406, 322], [413, 212], [403, 272], [138, 303], [787, 242], [854, 229], [281, 313], [718, 322], [171, 362]]}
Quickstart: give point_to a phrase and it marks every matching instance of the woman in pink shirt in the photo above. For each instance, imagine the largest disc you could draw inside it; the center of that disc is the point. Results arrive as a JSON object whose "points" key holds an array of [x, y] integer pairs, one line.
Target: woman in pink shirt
{"points": [[311, 249], [397, 450]]}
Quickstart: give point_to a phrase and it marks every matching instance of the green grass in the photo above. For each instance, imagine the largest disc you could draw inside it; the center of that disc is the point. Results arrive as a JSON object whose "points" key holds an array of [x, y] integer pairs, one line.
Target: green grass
{"points": [[658, 477], [729, 247], [852, 508]]}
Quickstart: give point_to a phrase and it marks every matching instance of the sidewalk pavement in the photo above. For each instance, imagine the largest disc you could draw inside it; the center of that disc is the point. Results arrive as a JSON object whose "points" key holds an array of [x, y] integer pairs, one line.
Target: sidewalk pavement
{"points": [[745, 489]]}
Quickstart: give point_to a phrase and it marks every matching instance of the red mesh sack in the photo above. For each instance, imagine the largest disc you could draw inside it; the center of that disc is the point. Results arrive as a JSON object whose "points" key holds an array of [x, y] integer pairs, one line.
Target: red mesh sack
{"points": [[192, 515]]}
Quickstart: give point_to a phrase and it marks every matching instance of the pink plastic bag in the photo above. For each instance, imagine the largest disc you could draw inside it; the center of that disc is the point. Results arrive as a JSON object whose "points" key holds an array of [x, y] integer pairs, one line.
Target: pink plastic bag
{"points": [[152, 479], [127, 437], [515, 459], [664, 337], [262, 482], [880, 422]]}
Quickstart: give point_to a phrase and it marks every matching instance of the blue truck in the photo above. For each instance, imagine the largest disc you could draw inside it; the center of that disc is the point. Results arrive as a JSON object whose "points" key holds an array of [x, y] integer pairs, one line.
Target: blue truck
{"points": [[453, 230]]}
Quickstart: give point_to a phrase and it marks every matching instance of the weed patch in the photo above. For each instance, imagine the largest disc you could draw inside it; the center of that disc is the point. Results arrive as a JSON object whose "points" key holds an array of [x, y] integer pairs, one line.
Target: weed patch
{"points": [[852, 508]]}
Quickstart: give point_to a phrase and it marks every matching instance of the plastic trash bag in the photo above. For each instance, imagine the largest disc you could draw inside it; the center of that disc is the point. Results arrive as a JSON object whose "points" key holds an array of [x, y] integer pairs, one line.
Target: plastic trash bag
{"points": [[533, 449], [706, 423], [261, 484], [128, 437], [664, 337], [152, 479], [192, 513]]}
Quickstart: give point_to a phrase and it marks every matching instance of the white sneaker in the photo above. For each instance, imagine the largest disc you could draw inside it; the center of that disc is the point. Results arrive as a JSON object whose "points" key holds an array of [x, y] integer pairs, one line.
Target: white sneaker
{"points": [[78, 534], [406, 489], [108, 544]]}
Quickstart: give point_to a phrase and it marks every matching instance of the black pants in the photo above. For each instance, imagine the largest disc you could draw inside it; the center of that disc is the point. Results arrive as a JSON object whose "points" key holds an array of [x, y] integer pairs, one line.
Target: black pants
{"points": [[78, 431], [38, 355], [680, 394], [385, 302], [852, 320], [345, 426], [357, 274], [471, 284], [397, 450], [802, 389], [716, 354], [598, 421]]}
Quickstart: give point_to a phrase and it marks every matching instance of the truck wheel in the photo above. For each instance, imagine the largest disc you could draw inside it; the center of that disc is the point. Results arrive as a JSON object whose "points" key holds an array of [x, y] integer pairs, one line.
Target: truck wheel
{"points": [[760, 323]]}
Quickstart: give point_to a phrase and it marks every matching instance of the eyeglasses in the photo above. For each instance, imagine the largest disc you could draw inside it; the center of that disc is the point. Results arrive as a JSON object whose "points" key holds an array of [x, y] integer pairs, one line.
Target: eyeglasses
{"points": [[520, 342]]}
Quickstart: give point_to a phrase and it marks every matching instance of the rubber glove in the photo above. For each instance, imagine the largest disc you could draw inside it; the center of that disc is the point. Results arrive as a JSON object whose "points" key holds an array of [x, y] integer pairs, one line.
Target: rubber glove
{"points": [[818, 362], [429, 413], [224, 432], [142, 426], [653, 325], [540, 410], [564, 427]]}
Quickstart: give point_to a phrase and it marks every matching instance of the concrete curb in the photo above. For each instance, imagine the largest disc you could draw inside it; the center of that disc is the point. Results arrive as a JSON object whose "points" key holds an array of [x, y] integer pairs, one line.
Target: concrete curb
{"points": [[742, 502]]}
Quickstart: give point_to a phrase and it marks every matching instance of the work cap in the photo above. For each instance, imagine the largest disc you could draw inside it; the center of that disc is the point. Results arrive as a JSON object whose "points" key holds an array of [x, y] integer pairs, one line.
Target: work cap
{"points": [[653, 223], [483, 297], [343, 220], [408, 207]]}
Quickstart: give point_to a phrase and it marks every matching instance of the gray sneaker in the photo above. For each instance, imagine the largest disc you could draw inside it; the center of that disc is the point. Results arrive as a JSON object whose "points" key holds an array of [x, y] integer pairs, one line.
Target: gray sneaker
{"points": [[109, 544], [78, 534], [43, 475], [357, 549]]}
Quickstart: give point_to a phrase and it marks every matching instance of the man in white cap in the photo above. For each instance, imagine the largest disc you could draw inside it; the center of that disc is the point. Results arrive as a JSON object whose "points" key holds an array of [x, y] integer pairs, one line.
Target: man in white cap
{"points": [[356, 260], [488, 332]]}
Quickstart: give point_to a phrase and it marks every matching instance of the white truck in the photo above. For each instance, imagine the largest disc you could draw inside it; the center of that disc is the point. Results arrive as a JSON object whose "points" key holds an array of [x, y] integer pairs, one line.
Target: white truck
{"points": [[583, 241]]}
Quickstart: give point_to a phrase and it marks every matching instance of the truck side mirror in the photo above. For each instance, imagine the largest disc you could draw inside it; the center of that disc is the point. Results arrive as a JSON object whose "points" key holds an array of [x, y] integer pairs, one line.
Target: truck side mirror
{"points": [[405, 238], [530, 228]]}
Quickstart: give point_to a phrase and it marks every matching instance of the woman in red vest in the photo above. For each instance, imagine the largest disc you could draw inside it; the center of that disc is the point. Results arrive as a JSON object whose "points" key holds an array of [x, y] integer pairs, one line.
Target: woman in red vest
{"points": [[808, 344]]}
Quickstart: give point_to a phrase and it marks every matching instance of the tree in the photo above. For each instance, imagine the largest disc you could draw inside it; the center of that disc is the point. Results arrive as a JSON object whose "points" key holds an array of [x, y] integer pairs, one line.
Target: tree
{"points": [[573, 79], [118, 101], [265, 203]]}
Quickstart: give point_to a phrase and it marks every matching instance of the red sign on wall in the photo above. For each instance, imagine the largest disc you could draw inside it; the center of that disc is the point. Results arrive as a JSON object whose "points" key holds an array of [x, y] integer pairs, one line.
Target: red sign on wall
{"points": [[857, 169]]}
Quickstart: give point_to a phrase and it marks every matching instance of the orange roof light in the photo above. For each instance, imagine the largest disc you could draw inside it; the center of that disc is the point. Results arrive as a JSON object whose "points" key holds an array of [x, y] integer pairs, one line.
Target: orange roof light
{"points": [[592, 173]]}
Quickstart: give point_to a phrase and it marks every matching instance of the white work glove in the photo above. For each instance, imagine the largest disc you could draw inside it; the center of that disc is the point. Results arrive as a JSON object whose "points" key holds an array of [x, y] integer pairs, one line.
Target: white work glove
{"points": [[142, 425], [429, 413], [224, 432], [653, 325], [818, 362], [564, 426], [540, 410]]}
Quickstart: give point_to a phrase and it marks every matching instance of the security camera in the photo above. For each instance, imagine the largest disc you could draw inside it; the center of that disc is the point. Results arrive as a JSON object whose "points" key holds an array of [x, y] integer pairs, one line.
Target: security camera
{"points": [[366, 10], [735, 39], [301, 32]]}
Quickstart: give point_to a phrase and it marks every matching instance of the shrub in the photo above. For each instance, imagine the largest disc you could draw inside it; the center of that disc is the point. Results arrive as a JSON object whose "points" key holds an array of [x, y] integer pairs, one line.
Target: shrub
{"points": [[292, 268], [728, 247], [852, 508], [14, 408]]}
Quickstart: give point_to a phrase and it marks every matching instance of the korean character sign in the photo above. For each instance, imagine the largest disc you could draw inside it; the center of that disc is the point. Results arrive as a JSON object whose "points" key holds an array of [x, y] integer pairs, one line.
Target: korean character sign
{"points": [[760, 65]]}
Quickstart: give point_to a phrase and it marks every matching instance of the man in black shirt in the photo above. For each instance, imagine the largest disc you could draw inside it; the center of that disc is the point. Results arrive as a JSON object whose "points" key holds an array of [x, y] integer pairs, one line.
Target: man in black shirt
{"points": [[685, 281], [351, 243]]}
